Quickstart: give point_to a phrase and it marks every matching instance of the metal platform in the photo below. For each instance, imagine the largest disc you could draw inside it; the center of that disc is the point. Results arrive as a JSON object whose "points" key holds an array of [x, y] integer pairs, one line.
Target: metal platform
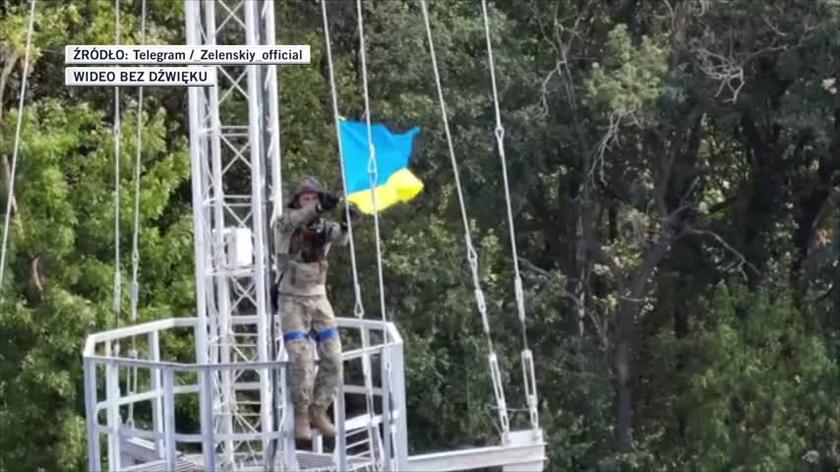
{"points": [[139, 410], [139, 407], [307, 461]]}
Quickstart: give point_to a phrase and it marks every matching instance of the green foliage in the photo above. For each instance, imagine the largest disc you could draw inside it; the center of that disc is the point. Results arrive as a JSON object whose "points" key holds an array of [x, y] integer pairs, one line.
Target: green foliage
{"points": [[53, 26], [445, 344], [727, 110], [630, 78], [59, 277], [757, 385]]}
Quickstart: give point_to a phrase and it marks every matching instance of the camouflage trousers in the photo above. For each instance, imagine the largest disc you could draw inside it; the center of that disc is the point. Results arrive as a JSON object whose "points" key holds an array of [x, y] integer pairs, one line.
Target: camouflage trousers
{"points": [[305, 318]]}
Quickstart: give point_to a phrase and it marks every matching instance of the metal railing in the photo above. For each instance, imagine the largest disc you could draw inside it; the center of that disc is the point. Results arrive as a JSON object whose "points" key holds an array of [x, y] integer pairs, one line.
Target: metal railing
{"points": [[146, 410]]}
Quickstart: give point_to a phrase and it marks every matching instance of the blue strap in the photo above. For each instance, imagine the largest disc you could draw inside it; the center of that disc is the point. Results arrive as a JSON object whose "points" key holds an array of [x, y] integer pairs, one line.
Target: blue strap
{"points": [[294, 335], [327, 333]]}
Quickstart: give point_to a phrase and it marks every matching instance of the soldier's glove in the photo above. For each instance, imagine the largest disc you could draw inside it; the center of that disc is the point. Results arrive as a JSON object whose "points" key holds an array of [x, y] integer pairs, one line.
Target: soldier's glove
{"points": [[354, 215], [327, 201]]}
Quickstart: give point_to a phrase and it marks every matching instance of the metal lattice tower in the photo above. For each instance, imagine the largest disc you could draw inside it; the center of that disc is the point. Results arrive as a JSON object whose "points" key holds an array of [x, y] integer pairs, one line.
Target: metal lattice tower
{"points": [[234, 147]]}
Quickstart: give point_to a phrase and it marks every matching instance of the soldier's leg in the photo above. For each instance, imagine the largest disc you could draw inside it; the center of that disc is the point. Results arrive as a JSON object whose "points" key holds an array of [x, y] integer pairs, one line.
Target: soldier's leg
{"points": [[330, 367], [296, 323]]}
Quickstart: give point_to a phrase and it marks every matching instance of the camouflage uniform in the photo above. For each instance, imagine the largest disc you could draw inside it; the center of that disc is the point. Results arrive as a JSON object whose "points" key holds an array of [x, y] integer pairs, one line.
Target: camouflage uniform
{"points": [[300, 315], [302, 240]]}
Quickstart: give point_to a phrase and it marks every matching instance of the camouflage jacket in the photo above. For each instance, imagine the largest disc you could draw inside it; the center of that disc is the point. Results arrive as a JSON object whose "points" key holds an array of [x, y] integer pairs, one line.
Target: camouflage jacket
{"points": [[302, 241]]}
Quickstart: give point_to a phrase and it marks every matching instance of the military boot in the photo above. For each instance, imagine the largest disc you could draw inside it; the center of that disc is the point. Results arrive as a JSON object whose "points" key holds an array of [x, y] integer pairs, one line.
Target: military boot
{"points": [[321, 420], [303, 430]]}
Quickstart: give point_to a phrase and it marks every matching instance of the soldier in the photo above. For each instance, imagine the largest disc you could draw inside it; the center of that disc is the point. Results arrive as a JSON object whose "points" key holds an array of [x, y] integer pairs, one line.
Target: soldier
{"points": [[302, 241]]}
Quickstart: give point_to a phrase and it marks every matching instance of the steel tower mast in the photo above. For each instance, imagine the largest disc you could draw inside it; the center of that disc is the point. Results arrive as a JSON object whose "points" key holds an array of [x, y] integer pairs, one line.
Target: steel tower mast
{"points": [[235, 156]]}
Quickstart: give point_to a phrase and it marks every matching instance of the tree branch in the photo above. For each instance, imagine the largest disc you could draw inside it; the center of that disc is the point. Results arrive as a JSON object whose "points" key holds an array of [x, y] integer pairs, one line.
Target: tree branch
{"points": [[742, 261], [37, 279], [826, 294], [533, 267]]}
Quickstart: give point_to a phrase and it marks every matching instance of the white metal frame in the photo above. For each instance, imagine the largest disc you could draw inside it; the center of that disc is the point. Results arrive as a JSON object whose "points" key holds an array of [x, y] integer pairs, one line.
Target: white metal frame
{"points": [[234, 148], [156, 439]]}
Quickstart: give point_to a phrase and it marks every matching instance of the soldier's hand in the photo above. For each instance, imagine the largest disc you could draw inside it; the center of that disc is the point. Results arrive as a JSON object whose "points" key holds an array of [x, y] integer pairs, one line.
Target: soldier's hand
{"points": [[354, 214], [327, 201]]}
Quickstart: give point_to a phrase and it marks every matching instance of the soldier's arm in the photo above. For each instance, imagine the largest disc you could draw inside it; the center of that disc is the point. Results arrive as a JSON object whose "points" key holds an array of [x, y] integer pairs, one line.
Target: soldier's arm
{"points": [[295, 218], [340, 233]]}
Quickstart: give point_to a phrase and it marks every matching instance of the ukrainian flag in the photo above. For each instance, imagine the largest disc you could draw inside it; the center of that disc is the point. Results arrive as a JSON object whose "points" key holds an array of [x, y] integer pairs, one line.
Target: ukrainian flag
{"points": [[394, 182]]}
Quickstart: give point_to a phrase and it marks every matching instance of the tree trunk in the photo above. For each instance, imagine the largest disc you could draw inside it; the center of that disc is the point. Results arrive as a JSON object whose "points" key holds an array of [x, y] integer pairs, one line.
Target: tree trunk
{"points": [[5, 174], [628, 309], [836, 282], [4, 78], [624, 419], [5, 165], [835, 146], [766, 193]]}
